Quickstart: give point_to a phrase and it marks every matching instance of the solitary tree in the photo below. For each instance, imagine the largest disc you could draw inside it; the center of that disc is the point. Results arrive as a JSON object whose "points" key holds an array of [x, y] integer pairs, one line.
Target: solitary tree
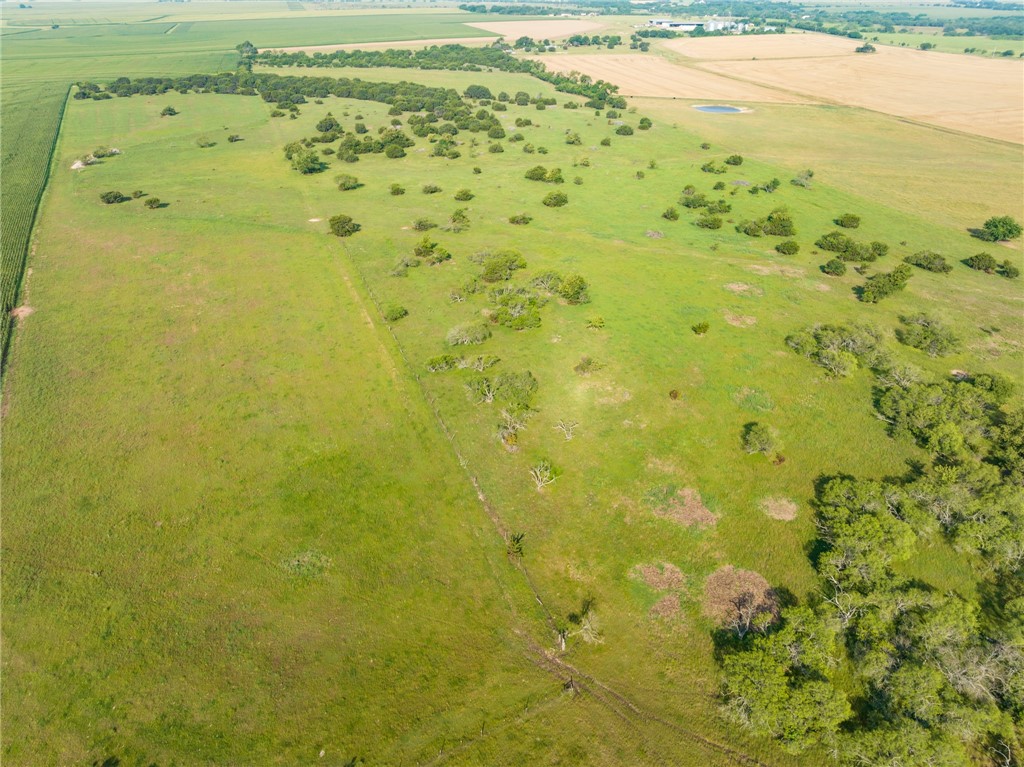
{"points": [[999, 228], [758, 438], [343, 226]]}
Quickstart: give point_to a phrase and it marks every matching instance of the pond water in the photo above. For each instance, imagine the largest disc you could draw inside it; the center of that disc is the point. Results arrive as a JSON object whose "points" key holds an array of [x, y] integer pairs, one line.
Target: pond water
{"points": [[718, 109]]}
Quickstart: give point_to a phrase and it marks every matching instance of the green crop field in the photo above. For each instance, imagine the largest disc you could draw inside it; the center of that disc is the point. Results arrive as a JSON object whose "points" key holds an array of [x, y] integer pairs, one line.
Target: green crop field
{"points": [[248, 520]]}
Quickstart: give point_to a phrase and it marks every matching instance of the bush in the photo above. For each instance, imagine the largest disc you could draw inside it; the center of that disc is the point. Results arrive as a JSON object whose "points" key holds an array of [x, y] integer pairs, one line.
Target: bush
{"points": [[431, 189], [606, 142], [999, 228], [835, 267], [343, 226], [307, 161], [536, 173], [468, 334], [670, 214], [234, 138], [758, 438], [394, 313], [168, 112], [1008, 270], [929, 261], [573, 139], [152, 203], [423, 224], [708, 221], [884, 284], [624, 130], [458, 221], [137, 194], [734, 159], [394, 152], [442, 363], [574, 289], [499, 266], [719, 186], [554, 176], [463, 195], [982, 262], [930, 336], [711, 167], [496, 132], [111, 198], [205, 143], [520, 219], [788, 248], [555, 199], [347, 182], [701, 328], [645, 123], [848, 221], [495, 149], [397, 189]]}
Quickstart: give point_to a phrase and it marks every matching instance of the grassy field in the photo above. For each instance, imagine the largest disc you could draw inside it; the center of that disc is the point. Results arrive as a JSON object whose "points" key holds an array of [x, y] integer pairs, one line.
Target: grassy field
{"points": [[209, 389]]}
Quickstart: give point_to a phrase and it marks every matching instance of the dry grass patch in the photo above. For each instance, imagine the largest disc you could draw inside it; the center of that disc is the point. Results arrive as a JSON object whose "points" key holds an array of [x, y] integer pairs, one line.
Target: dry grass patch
{"points": [[766, 269], [763, 47], [667, 607], [729, 590], [660, 576], [740, 320], [682, 505], [743, 289], [780, 508]]}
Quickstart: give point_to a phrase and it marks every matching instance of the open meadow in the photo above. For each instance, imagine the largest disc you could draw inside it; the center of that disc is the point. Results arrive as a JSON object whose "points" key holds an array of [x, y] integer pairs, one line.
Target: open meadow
{"points": [[472, 483]]}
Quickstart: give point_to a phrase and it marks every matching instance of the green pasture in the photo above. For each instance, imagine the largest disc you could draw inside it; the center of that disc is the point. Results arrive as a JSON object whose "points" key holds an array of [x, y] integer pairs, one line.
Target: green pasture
{"points": [[229, 479], [983, 45]]}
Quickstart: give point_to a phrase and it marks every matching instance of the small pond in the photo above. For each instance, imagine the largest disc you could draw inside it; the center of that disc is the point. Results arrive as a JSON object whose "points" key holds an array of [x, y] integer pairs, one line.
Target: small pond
{"points": [[718, 109]]}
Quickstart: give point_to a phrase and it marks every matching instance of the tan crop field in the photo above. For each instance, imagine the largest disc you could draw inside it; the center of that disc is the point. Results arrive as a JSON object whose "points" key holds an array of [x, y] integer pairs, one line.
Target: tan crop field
{"points": [[640, 75], [539, 30], [973, 95], [762, 46]]}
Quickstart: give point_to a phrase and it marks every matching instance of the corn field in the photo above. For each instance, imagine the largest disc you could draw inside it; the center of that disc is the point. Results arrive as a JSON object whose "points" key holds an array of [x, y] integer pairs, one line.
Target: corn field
{"points": [[31, 120]]}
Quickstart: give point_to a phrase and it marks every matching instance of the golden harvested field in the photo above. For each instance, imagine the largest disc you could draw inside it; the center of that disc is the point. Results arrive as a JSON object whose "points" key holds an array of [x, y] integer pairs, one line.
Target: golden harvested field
{"points": [[964, 93], [400, 44], [787, 46], [645, 75], [539, 30]]}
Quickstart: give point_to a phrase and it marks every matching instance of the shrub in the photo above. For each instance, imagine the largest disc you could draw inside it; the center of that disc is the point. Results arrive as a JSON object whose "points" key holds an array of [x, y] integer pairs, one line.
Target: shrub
{"points": [[711, 167], [983, 262], [848, 221], [578, 180], [999, 228], [719, 186], [930, 336], [803, 179], [555, 199], [477, 171], [307, 161], [573, 288], [347, 182], [708, 221], [394, 152], [701, 328], [1008, 270], [468, 334], [395, 312], [758, 438], [520, 219], [431, 189], [205, 143], [929, 261], [554, 176], [234, 138], [537, 173], [573, 139], [397, 189], [878, 249], [496, 131], [670, 214], [499, 266], [463, 195], [835, 267], [111, 198], [884, 284], [595, 322], [458, 221], [495, 149], [152, 203], [645, 123], [343, 226], [137, 194], [168, 111], [788, 248], [734, 159], [606, 142]]}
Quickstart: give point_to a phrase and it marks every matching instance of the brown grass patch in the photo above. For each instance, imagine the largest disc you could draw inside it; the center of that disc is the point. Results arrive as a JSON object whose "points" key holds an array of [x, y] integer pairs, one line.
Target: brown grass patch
{"points": [[661, 576], [666, 607], [766, 269], [780, 508], [538, 30], [725, 587], [641, 75], [681, 505], [740, 320], [743, 289]]}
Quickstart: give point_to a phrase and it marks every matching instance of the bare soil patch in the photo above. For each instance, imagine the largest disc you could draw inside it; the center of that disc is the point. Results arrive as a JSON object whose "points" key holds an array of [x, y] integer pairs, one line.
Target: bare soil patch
{"points": [[666, 607], [780, 508], [743, 289], [740, 320], [538, 30], [766, 269], [661, 576], [384, 45], [682, 505], [640, 75], [728, 589], [21, 312]]}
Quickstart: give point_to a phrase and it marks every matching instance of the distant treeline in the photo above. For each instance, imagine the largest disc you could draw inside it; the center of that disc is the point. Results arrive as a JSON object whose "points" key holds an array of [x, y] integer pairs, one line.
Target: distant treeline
{"points": [[450, 57], [615, 7]]}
